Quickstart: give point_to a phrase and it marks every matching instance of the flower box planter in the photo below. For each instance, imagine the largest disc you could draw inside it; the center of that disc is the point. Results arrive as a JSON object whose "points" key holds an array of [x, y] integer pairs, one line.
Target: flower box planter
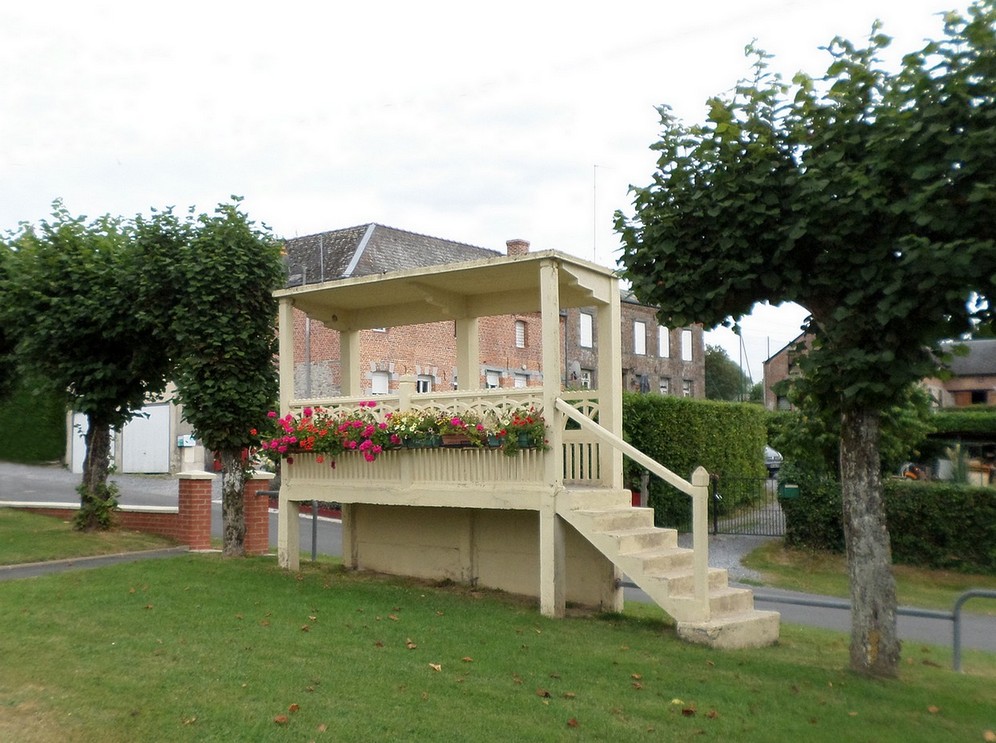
{"points": [[456, 440]]}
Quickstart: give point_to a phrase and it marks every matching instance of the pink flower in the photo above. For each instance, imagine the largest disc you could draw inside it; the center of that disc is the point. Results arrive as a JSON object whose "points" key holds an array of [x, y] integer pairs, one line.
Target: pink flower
{"points": [[308, 412], [367, 443], [271, 414], [369, 457], [377, 449]]}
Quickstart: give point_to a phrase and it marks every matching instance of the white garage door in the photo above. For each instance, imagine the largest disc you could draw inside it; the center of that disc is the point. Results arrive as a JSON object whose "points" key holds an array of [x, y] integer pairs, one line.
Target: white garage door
{"points": [[145, 441]]}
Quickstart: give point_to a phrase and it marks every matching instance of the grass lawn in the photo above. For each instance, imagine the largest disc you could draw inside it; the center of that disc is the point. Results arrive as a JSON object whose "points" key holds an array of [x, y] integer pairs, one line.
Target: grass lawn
{"points": [[826, 573], [200, 648], [28, 537]]}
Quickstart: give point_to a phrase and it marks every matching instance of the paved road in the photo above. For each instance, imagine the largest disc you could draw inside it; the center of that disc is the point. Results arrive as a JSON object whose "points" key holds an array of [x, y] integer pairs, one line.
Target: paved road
{"points": [[55, 484]]}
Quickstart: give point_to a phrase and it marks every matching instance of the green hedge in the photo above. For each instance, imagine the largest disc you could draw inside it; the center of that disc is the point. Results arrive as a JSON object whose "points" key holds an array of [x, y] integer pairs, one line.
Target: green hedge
{"points": [[931, 524], [32, 425], [956, 422], [683, 434]]}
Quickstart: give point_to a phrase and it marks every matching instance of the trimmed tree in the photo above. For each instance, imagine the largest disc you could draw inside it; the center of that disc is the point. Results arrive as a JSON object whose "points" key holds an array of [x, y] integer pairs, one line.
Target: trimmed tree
{"points": [[863, 195], [225, 271], [76, 306]]}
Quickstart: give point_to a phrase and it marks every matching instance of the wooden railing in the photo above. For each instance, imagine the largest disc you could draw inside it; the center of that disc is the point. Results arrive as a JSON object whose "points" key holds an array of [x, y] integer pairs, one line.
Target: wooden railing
{"points": [[697, 489]]}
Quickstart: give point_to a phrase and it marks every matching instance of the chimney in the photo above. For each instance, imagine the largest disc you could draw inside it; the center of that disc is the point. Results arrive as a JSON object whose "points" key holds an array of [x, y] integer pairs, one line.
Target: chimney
{"points": [[517, 247]]}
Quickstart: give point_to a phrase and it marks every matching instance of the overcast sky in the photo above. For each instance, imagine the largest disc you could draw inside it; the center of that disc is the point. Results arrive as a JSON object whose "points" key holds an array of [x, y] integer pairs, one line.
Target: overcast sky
{"points": [[476, 122]]}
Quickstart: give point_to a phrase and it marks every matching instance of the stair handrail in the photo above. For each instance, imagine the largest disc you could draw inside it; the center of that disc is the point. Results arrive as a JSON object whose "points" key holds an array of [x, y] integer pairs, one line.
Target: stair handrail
{"points": [[697, 490]]}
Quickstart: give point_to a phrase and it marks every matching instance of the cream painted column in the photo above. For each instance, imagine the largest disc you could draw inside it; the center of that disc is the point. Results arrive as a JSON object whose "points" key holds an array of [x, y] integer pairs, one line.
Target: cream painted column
{"points": [[610, 384], [350, 382], [553, 570], [288, 524], [468, 351], [553, 562]]}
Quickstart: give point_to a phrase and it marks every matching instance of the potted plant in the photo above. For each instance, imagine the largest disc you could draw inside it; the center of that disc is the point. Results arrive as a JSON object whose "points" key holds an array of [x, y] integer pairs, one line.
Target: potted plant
{"points": [[523, 429], [416, 429], [461, 430]]}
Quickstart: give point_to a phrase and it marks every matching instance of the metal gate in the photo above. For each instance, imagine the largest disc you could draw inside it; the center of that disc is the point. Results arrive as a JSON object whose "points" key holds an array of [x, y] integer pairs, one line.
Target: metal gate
{"points": [[746, 505]]}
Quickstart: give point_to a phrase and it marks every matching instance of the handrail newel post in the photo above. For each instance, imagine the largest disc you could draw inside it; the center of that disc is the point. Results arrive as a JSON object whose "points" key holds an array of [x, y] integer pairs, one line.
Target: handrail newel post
{"points": [[700, 537]]}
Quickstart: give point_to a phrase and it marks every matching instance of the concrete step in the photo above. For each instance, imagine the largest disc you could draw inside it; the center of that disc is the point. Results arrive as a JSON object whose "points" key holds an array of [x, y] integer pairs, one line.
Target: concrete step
{"points": [[663, 560], [747, 629], [597, 498], [617, 519], [640, 539], [682, 582]]}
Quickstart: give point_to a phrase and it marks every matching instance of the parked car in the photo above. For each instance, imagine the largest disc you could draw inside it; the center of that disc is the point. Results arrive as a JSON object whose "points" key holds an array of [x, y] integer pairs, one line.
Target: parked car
{"points": [[772, 461]]}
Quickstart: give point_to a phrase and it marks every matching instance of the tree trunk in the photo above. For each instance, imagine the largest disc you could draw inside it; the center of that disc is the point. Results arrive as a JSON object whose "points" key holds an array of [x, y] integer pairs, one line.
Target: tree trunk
{"points": [[874, 640], [94, 494], [233, 478]]}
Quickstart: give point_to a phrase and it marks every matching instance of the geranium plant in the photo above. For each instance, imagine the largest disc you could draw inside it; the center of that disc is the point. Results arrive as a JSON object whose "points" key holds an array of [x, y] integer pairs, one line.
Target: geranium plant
{"points": [[523, 429], [465, 424], [323, 432]]}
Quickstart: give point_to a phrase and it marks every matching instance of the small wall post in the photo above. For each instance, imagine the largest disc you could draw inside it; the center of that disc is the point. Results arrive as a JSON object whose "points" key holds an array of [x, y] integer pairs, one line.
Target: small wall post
{"points": [[257, 513], [195, 489]]}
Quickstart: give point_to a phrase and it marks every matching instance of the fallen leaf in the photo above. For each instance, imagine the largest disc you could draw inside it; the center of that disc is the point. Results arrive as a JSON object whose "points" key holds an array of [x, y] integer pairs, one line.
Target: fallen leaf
{"points": [[688, 712], [572, 723], [467, 659], [989, 736], [264, 622], [677, 702], [309, 688], [189, 720], [281, 719], [313, 619], [542, 693], [379, 644], [393, 617], [516, 679], [131, 590], [305, 628], [712, 714], [933, 710], [425, 696], [239, 616], [636, 676], [710, 663], [410, 645], [637, 685], [435, 667], [569, 695], [852, 714], [322, 728], [294, 708], [148, 606]]}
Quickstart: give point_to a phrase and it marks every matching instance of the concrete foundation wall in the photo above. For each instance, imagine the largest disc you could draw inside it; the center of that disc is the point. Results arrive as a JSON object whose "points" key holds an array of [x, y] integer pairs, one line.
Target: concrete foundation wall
{"points": [[489, 548]]}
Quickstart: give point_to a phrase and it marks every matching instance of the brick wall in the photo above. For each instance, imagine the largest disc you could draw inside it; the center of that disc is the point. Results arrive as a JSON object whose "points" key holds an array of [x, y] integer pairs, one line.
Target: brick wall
{"points": [[190, 522]]}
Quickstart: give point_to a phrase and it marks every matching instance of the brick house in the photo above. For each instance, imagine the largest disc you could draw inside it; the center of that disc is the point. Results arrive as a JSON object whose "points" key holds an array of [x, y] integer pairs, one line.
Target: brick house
{"points": [[669, 361], [972, 379]]}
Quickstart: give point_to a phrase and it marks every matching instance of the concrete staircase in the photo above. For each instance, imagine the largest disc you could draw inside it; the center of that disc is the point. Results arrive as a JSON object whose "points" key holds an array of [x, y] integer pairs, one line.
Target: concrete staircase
{"points": [[651, 558]]}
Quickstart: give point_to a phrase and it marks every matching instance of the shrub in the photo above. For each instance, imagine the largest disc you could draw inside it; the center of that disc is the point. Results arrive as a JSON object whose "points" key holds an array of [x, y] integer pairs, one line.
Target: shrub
{"points": [[683, 434], [931, 524], [32, 424]]}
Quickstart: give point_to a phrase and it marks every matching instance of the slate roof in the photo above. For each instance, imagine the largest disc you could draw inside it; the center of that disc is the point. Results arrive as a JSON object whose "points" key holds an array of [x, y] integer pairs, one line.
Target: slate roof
{"points": [[980, 361], [370, 249]]}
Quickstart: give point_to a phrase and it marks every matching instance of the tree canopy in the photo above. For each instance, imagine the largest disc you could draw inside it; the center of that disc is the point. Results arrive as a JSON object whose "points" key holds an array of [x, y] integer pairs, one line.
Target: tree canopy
{"points": [[224, 269], [77, 310], [865, 196], [724, 380]]}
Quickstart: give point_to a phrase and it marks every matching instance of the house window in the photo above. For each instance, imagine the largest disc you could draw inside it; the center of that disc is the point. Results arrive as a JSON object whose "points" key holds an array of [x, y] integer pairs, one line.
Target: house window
{"points": [[980, 397], [379, 330], [686, 388], [585, 379], [639, 337], [380, 382], [520, 334], [665, 386], [663, 342], [491, 379], [585, 339], [521, 380], [686, 345], [423, 383]]}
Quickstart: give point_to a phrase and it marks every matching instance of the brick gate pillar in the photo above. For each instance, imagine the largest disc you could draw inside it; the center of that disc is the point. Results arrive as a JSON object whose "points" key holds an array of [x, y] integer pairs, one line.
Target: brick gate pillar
{"points": [[194, 512], [257, 512]]}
